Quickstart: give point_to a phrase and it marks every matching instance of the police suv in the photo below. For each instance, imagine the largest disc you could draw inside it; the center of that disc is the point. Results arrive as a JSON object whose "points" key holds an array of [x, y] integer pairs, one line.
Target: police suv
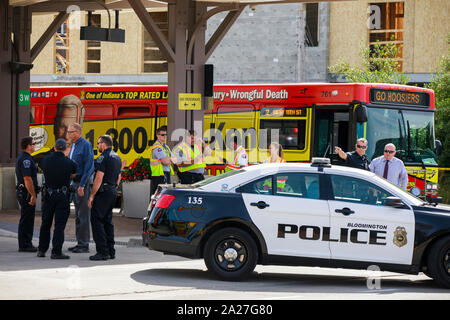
{"points": [[300, 214]]}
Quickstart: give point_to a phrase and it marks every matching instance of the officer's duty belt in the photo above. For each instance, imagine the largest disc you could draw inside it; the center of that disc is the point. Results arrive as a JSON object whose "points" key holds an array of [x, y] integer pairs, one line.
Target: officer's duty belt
{"points": [[63, 189], [106, 186]]}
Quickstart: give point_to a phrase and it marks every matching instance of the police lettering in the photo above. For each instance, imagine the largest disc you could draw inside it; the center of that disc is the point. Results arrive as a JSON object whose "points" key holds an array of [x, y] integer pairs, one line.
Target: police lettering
{"points": [[359, 236]]}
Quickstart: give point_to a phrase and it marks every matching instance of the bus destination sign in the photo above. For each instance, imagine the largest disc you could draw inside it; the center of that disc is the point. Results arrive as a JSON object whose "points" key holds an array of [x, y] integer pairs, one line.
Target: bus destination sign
{"points": [[395, 97]]}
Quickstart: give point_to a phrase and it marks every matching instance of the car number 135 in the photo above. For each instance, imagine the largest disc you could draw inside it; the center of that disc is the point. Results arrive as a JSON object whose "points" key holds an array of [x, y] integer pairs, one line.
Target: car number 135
{"points": [[195, 200]]}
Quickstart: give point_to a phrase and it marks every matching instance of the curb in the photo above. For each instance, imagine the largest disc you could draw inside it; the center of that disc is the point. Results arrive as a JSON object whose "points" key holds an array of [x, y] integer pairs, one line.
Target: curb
{"points": [[6, 233], [120, 241]]}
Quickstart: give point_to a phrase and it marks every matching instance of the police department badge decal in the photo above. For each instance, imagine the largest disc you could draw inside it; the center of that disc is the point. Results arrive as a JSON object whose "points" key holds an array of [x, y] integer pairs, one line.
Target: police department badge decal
{"points": [[400, 236]]}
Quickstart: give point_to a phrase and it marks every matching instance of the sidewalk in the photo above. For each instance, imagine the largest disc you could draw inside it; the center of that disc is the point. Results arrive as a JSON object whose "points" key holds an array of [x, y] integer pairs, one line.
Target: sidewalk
{"points": [[127, 231]]}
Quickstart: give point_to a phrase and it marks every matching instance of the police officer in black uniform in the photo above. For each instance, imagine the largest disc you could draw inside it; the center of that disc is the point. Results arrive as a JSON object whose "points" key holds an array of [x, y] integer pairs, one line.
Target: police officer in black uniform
{"points": [[26, 191], [103, 197], [58, 170]]}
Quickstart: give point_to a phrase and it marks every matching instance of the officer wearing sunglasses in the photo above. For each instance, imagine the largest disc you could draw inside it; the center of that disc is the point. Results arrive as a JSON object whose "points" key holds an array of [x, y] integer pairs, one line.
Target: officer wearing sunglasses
{"points": [[358, 158], [390, 167]]}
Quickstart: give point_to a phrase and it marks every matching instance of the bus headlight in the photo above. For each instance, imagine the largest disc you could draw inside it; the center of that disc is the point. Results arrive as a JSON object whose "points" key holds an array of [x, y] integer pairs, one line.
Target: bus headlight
{"points": [[432, 186], [415, 191]]}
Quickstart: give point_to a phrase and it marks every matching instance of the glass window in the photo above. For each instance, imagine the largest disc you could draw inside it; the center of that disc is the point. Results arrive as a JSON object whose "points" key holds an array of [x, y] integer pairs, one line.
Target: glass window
{"points": [[93, 48], [300, 185], [291, 132], [216, 178], [260, 186], [153, 60], [312, 25], [62, 49], [351, 189], [388, 28], [412, 132]]}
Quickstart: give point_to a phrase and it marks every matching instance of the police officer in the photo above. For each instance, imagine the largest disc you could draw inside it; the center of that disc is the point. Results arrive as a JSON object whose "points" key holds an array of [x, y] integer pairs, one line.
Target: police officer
{"points": [[103, 196], [160, 160], [58, 170], [240, 156], [190, 161], [358, 158], [26, 190]]}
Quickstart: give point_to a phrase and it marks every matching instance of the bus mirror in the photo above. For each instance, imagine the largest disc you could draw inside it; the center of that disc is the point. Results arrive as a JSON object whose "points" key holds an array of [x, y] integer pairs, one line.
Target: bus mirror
{"points": [[361, 113], [438, 147]]}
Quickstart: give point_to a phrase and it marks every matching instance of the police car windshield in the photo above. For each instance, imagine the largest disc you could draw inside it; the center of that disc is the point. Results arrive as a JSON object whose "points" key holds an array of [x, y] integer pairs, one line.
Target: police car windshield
{"points": [[216, 178], [410, 197]]}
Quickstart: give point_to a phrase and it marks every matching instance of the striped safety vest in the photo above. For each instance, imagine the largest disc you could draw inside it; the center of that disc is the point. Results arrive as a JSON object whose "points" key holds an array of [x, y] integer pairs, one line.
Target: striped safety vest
{"points": [[279, 160], [156, 165], [190, 154], [234, 165]]}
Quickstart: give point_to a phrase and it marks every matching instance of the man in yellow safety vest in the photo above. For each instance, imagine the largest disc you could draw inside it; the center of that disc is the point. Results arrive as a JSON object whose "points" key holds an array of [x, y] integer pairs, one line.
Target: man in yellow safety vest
{"points": [[190, 158], [240, 156], [160, 160]]}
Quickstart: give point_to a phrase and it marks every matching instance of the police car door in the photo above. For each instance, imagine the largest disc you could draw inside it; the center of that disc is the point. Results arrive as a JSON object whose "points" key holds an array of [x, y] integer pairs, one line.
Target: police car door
{"points": [[289, 213], [363, 228]]}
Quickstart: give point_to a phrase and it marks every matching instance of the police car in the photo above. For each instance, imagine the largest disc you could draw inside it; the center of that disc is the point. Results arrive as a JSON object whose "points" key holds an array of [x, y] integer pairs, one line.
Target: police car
{"points": [[300, 214]]}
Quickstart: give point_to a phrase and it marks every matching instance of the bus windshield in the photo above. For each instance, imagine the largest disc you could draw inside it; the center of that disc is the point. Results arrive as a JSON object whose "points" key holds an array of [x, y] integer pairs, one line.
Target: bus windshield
{"points": [[411, 131]]}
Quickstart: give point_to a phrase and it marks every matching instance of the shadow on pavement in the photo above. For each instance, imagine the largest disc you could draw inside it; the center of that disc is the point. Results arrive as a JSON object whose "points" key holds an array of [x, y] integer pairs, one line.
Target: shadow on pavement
{"points": [[285, 282]]}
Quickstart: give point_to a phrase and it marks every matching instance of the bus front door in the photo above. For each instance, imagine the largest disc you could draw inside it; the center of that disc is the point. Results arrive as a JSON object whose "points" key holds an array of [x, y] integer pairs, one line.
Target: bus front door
{"points": [[332, 128]]}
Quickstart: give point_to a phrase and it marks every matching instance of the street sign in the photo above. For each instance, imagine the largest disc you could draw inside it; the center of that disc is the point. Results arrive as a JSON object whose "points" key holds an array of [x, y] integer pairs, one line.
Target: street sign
{"points": [[24, 98], [189, 101]]}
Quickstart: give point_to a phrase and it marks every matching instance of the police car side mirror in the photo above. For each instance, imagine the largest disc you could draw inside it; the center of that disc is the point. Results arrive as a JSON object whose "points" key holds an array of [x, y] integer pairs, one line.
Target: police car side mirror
{"points": [[394, 202]]}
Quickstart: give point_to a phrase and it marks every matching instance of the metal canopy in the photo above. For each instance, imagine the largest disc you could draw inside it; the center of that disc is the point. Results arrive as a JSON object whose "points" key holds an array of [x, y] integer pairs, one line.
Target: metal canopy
{"points": [[61, 5]]}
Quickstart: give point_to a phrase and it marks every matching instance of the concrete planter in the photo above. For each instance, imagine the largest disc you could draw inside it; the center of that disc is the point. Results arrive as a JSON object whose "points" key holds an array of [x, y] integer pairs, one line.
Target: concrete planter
{"points": [[135, 198]]}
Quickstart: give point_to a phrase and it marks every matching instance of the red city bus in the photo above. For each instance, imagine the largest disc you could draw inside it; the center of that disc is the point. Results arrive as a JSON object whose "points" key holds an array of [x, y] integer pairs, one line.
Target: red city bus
{"points": [[309, 119]]}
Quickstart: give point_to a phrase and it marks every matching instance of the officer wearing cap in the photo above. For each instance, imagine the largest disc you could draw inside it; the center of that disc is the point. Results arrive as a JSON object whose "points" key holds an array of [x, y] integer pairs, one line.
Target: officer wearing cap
{"points": [[58, 170], [103, 196], [27, 186]]}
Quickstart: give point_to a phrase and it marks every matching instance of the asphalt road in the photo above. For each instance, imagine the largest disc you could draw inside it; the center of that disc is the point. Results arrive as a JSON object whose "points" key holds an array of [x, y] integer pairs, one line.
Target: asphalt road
{"points": [[140, 274]]}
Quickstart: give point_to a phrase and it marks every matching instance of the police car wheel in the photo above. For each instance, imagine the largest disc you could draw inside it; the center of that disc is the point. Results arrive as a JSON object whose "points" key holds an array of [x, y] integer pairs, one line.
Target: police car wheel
{"points": [[439, 262], [231, 254]]}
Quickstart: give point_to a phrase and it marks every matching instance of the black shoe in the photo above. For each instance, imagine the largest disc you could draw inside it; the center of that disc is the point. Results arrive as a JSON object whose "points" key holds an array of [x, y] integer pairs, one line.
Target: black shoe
{"points": [[72, 248], [80, 250], [112, 256], [59, 256], [99, 257], [41, 254], [28, 249]]}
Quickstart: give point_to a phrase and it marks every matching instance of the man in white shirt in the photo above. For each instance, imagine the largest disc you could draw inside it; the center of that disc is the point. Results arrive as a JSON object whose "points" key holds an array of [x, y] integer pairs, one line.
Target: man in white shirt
{"points": [[390, 168]]}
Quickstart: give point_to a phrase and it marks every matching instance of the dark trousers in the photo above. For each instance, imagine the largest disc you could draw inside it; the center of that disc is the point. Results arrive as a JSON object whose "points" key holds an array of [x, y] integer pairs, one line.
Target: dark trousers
{"points": [[189, 177], [26, 222], [82, 216], [165, 179], [55, 206], [101, 221]]}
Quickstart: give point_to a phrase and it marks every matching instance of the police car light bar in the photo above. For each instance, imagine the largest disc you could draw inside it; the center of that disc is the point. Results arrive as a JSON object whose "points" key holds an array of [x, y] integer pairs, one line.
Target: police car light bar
{"points": [[320, 162]]}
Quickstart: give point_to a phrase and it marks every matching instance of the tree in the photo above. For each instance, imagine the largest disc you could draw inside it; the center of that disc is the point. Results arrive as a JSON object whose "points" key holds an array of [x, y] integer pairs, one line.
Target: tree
{"points": [[441, 86], [379, 65]]}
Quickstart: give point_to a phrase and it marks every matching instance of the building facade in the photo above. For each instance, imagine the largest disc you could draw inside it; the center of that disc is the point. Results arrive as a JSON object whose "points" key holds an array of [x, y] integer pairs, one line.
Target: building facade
{"points": [[267, 43]]}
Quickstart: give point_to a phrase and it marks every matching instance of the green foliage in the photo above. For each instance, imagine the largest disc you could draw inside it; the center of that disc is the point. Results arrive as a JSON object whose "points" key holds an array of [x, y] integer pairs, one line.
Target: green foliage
{"points": [[379, 65], [441, 86]]}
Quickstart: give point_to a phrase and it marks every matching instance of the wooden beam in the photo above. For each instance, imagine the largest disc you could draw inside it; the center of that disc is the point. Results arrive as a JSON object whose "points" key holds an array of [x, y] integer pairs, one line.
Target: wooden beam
{"points": [[48, 34]]}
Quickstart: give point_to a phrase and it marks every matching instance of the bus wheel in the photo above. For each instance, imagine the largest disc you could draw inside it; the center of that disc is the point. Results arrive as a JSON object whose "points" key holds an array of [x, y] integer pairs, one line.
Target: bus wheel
{"points": [[231, 254], [439, 262]]}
